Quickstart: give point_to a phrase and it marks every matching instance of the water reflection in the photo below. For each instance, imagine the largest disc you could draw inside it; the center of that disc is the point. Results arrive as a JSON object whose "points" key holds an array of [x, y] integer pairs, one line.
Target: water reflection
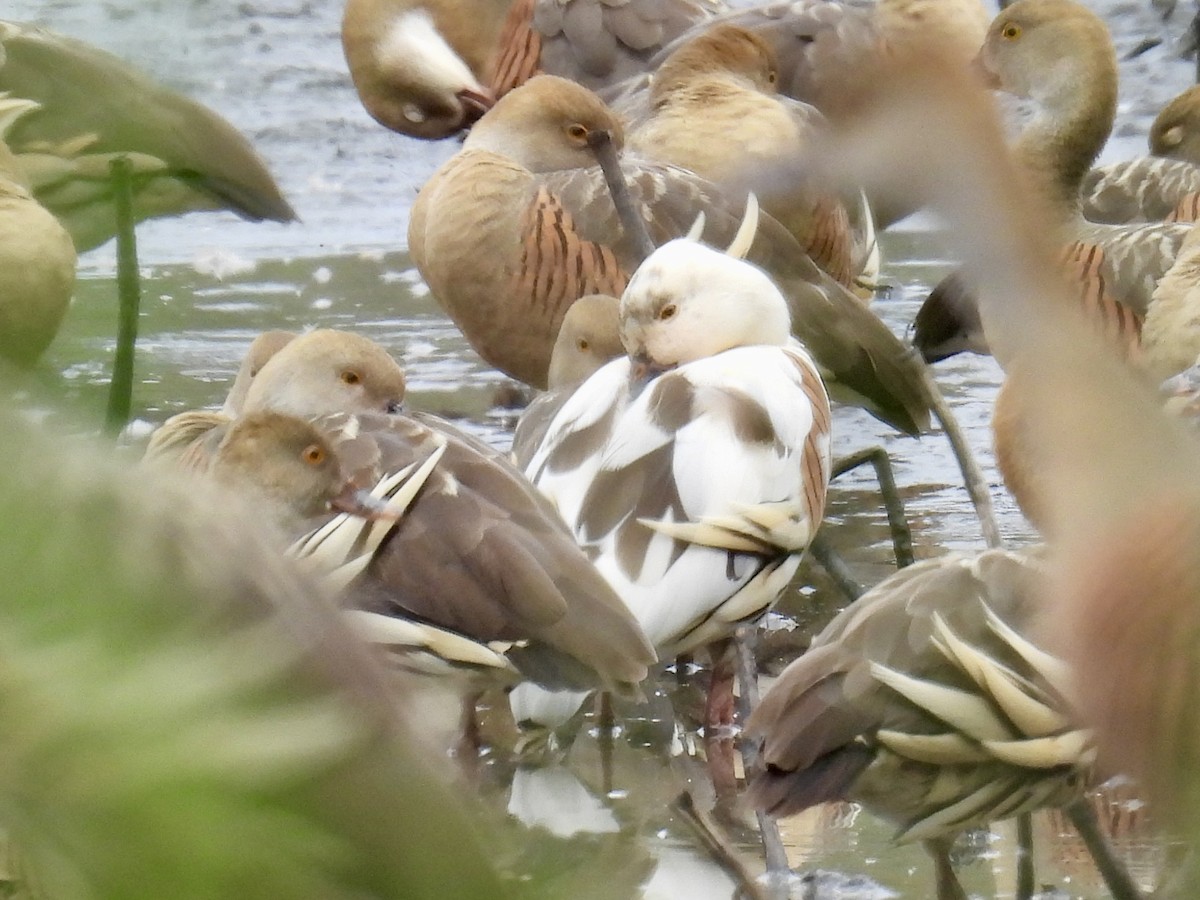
{"points": [[596, 802], [603, 820]]}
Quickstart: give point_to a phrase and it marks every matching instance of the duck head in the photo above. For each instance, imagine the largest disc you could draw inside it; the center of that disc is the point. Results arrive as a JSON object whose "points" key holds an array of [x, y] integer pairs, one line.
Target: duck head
{"points": [[548, 124], [328, 371]]}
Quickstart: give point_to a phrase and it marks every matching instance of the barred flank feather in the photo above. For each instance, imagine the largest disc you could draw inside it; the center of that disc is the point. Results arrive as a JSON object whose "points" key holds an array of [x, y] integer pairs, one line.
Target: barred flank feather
{"points": [[520, 50]]}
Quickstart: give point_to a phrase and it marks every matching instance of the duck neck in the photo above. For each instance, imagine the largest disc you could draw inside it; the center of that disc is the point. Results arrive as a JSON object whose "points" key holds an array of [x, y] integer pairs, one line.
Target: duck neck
{"points": [[1077, 109]]}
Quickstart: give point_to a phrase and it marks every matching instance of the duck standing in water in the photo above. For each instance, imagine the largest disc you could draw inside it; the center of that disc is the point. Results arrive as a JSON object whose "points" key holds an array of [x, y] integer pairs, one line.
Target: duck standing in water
{"points": [[693, 470]]}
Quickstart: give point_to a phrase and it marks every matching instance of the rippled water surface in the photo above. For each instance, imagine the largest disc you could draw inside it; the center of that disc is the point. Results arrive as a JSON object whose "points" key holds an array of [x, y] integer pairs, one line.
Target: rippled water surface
{"points": [[211, 282]]}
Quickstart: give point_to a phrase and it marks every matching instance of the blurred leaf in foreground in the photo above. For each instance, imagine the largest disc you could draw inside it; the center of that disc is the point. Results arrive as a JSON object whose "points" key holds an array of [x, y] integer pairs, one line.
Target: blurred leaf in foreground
{"points": [[182, 717]]}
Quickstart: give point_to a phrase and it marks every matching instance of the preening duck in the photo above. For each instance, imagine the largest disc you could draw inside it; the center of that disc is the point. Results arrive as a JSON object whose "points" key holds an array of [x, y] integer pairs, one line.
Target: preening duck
{"points": [[478, 552], [519, 224], [429, 68], [715, 109], [1150, 188], [923, 701], [693, 470], [420, 67]]}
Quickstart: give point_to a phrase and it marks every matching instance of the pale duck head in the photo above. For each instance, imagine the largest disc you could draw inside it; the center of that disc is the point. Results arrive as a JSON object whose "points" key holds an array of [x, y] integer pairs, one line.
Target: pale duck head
{"points": [[688, 301]]}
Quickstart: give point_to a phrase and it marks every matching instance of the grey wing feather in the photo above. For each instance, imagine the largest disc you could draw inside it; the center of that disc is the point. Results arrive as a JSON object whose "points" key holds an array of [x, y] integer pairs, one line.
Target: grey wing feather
{"points": [[1146, 189]]}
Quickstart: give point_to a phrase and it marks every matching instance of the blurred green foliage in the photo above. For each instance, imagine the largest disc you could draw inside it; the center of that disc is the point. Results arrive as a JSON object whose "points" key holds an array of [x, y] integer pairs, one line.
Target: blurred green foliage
{"points": [[181, 717]]}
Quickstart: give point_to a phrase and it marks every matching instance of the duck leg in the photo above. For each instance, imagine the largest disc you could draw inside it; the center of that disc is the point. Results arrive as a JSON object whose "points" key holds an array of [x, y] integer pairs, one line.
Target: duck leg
{"points": [[902, 543], [973, 479], [948, 885], [778, 868], [1025, 875], [893, 504], [605, 724], [466, 748], [718, 721], [1195, 29], [120, 390], [835, 567], [1116, 876]]}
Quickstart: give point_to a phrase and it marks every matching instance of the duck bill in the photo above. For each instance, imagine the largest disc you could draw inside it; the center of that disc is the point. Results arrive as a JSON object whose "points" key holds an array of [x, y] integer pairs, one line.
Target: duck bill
{"points": [[474, 104], [642, 371], [360, 503], [983, 75], [607, 151]]}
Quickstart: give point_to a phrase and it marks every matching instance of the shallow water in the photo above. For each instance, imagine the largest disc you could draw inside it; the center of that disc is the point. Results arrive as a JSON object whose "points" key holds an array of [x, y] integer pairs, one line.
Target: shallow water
{"points": [[211, 282]]}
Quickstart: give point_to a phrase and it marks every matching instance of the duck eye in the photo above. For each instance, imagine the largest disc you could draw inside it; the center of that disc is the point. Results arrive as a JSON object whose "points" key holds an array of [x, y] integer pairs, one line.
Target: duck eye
{"points": [[667, 312], [314, 454], [351, 377], [1011, 31], [772, 77], [577, 132], [582, 344]]}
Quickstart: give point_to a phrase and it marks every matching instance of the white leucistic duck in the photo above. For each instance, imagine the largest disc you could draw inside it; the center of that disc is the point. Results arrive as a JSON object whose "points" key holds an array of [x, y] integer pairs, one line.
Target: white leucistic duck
{"points": [[693, 471]]}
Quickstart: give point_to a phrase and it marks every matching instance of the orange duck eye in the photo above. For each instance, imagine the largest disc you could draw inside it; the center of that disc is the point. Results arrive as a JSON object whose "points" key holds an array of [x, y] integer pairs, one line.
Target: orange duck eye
{"points": [[314, 454]]}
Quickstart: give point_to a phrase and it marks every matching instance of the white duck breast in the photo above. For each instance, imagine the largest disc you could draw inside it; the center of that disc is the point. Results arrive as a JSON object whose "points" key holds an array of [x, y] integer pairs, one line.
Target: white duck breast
{"points": [[694, 497]]}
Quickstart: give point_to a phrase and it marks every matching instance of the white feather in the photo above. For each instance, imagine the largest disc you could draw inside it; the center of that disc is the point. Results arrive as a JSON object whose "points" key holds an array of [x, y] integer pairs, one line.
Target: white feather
{"points": [[721, 479], [413, 42]]}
